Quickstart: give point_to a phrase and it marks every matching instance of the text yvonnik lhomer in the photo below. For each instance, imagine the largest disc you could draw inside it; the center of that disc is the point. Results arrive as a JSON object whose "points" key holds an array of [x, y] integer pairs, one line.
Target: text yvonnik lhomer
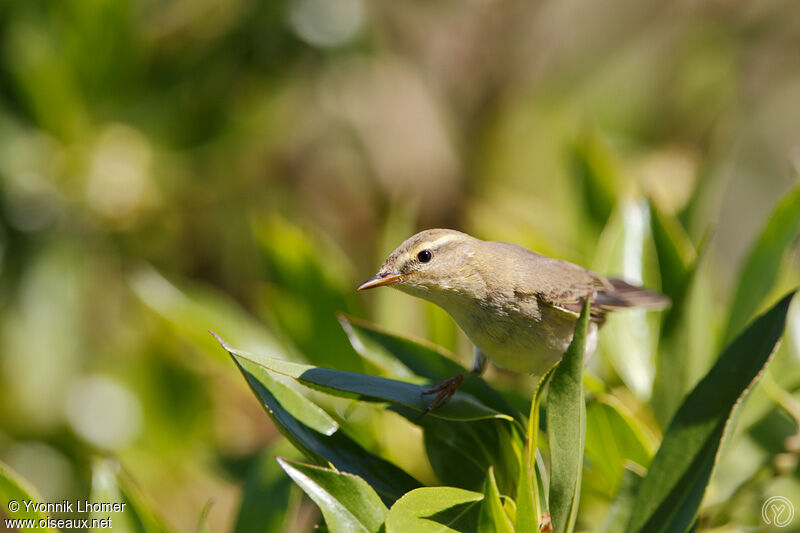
{"points": [[78, 506]]}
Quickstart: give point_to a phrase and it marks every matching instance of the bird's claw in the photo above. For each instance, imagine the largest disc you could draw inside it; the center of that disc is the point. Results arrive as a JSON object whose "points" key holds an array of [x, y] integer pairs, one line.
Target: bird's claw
{"points": [[545, 524], [444, 391]]}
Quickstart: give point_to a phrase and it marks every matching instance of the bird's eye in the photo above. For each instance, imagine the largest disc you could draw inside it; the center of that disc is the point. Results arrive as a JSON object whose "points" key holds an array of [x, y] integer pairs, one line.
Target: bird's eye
{"points": [[424, 256]]}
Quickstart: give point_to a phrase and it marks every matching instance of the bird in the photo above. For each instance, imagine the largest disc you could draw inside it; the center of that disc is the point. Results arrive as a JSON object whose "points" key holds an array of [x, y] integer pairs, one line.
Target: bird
{"points": [[518, 308]]}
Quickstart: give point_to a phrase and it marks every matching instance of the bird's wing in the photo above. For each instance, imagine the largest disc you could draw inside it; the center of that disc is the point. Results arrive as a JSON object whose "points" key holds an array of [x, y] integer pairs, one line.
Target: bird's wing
{"points": [[611, 295], [564, 286], [553, 282], [576, 285]]}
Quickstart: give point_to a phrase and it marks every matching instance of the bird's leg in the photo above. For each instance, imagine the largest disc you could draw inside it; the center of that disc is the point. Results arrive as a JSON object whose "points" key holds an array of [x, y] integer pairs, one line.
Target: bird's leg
{"points": [[478, 363], [545, 524], [445, 390]]}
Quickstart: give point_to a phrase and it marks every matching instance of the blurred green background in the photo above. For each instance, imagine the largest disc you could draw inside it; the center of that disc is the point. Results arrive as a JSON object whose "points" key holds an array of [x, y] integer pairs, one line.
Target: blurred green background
{"points": [[167, 168]]}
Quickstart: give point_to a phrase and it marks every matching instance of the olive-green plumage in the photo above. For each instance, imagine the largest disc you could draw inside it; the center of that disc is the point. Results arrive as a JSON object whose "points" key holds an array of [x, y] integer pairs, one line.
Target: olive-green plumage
{"points": [[518, 307]]}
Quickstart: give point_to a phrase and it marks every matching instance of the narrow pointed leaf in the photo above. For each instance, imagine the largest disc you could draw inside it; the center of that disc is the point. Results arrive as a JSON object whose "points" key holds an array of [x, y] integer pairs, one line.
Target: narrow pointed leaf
{"points": [[304, 410], [510, 508], [461, 453], [680, 351], [401, 355], [190, 311], [323, 448], [527, 516], [566, 422], [347, 502], [671, 493], [202, 522], [763, 263], [595, 173], [13, 487], [371, 388], [493, 518], [674, 249], [111, 484], [529, 503], [308, 284], [435, 510]]}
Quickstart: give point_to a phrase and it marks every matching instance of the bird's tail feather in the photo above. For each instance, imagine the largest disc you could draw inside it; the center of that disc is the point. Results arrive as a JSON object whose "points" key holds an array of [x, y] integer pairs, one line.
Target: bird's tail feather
{"points": [[632, 296]]}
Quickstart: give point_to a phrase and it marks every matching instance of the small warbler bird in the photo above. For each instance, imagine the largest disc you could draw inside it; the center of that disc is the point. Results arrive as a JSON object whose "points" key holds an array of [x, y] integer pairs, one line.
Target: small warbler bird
{"points": [[518, 308]]}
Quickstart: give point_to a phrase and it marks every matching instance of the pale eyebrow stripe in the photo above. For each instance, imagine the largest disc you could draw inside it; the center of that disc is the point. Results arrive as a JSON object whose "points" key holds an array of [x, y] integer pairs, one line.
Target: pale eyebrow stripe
{"points": [[443, 240], [432, 244]]}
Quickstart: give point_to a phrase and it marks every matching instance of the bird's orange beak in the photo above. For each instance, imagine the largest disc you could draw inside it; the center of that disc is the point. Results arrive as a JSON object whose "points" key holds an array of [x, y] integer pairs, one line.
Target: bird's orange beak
{"points": [[379, 281]]}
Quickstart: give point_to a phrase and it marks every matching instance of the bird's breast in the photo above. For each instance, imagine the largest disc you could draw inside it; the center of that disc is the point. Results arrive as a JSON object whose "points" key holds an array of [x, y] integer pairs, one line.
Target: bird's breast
{"points": [[522, 338]]}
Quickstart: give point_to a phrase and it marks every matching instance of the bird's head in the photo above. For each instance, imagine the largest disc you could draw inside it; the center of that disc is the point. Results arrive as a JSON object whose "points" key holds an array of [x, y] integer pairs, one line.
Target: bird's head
{"points": [[430, 263]]}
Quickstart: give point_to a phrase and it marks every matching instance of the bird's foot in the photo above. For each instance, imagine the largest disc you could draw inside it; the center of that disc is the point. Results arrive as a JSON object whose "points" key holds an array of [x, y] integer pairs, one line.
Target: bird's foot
{"points": [[545, 525], [443, 391]]}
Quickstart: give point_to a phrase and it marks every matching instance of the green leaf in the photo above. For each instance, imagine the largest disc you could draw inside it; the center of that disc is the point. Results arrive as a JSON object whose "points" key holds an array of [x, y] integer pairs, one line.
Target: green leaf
{"points": [[566, 422], [316, 442], [493, 518], [673, 489], [266, 504], [613, 439], [681, 357], [399, 355], [370, 388], [527, 516], [347, 502], [620, 512], [192, 311], [763, 263], [13, 487], [309, 282], [435, 510], [529, 501], [594, 170], [202, 522], [111, 484], [674, 249], [461, 453], [298, 406]]}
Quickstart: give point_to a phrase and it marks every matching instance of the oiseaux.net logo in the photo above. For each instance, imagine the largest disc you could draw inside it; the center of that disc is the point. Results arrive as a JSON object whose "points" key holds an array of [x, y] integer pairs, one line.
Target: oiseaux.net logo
{"points": [[30, 507]]}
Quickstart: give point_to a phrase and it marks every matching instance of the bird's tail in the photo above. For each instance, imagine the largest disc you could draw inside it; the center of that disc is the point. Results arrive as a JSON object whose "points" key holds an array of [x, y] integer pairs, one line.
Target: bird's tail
{"points": [[633, 296]]}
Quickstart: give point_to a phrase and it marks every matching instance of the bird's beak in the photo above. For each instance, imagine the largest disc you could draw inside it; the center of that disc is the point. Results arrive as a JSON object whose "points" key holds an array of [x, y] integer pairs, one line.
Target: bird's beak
{"points": [[379, 280]]}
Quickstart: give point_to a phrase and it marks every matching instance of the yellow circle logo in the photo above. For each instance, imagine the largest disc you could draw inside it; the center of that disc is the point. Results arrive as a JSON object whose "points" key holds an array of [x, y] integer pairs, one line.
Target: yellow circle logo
{"points": [[777, 511]]}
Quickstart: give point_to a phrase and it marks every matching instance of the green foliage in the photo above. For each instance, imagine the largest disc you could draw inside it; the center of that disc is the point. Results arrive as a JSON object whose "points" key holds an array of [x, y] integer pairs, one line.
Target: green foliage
{"points": [[202, 524], [167, 168], [111, 484], [761, 267], [619, 513], [14, 487], [347, 502], [435, 510], [531, 490], [460, 455], [352, 385], [269, 497], [679, 265], [595, 174], [566, 421], [671, 492], [614, 439], [470, 444], [318, 438], [417, 358], [493, 518]]}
